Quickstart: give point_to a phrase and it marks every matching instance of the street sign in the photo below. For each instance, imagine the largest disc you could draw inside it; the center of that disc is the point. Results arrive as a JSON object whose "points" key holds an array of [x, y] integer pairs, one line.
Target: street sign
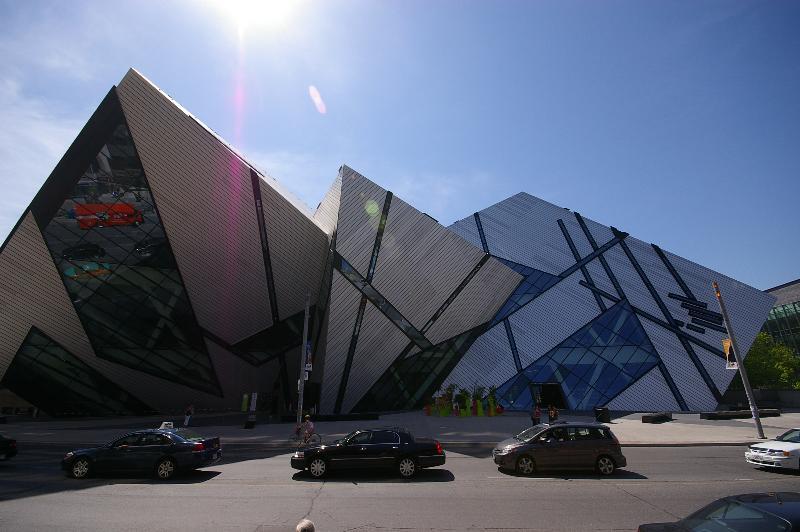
{"points": [[308, 367], [305, 378], [729, 356]]}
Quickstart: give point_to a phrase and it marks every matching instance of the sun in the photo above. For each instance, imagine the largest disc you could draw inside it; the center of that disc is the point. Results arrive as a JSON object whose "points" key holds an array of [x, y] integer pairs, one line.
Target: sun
{"points": [[258, 15]]}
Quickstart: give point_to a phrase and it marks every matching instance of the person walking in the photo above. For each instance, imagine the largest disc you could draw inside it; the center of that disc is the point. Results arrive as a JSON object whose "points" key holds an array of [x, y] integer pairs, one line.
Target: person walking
{"points": [[551, 414], [187, 416], [536, 415], [555, 413]]}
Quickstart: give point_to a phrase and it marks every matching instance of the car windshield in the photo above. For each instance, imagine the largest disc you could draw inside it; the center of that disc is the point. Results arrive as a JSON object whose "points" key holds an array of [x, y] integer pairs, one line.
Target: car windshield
{"points": [[792, 436], [346, 438], [529, 434]]}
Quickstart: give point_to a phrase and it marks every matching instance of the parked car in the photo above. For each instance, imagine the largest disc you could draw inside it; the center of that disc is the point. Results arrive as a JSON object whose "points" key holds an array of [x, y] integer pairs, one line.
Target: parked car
{"points": [[781, 453], [85, 251], [149, 246], [87, 270], [777, 512], [561, 446], [391, 448], [8, 447], [90, 215], [162, 452]]}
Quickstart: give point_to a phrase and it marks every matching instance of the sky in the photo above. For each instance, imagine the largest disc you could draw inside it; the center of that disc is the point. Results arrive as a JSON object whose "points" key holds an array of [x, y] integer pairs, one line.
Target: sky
{"points": [[678, 122]]}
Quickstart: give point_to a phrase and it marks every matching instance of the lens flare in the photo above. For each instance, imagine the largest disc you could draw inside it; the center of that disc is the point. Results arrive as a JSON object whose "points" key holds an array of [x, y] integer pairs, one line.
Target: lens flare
{"points": [[317, 99], [371, 207]]}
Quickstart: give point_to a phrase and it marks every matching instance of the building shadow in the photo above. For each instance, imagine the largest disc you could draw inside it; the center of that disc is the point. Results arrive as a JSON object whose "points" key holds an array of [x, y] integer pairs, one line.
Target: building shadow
{"points": [[375, 477]]}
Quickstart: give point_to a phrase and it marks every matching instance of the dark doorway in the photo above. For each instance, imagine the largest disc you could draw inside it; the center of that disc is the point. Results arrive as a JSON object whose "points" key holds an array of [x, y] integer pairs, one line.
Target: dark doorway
{"points": [[551, 395]]}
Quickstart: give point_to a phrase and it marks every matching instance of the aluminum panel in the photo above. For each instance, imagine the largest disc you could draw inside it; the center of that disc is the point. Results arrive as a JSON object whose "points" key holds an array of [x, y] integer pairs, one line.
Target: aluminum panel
{"points": [[550, 318], [488, 362], [379, 343], [421, 263], [649, 393], [359, 214], [204, 196], [344, 302]]}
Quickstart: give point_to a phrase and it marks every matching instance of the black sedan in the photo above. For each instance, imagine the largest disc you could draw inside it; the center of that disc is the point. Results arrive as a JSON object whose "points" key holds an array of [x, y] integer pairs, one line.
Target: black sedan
{"points": [[8, 448], [379, 448], [162, 452], [749, 512], [84, 251]]}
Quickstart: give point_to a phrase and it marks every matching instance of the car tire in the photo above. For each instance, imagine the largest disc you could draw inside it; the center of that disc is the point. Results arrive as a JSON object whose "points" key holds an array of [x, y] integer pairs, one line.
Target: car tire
{"points": [[166, 468], [605, 465], [525, 465], [80, 468], [407, 467], [318, 468]]}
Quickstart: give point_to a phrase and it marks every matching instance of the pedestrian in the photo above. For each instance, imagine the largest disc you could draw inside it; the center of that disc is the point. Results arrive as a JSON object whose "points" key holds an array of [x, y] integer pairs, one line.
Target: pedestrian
{"points": [[306, 525], [188, 415], [555, 413], [536, 415], [551, 414]]}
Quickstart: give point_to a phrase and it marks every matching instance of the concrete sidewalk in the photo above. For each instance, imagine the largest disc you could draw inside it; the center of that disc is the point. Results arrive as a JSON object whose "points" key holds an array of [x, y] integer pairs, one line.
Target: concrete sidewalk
{"points": [[684, 430]]}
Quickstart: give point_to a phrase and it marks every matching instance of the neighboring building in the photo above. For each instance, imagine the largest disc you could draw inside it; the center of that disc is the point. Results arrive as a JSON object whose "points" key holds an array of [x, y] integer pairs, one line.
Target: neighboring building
{"points": [[783, 323], [157, 268]]}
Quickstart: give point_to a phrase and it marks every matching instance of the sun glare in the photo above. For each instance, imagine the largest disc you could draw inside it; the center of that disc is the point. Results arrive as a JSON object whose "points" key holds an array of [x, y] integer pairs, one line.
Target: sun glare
{"points": [[258, 15]]}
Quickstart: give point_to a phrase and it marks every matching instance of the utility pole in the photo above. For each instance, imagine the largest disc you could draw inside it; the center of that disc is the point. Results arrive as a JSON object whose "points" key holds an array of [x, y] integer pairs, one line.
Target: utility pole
{"points": [[739, 361], [301, 384]]}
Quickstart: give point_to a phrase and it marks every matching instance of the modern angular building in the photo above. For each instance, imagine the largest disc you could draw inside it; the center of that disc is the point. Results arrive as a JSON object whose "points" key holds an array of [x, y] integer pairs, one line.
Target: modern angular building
{"points": [[783, 322], [156, 267]]}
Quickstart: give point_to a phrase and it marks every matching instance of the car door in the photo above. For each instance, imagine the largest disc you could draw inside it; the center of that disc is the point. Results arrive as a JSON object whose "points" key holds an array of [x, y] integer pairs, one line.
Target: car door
{"points": [[122, 454], [384, 448], [584, 447], [544, 449], [151, 448], [353, 454]]}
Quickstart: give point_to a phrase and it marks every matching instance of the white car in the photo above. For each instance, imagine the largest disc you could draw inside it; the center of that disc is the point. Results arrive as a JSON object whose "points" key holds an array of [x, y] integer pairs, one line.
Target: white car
{"points": [[782, 452]]}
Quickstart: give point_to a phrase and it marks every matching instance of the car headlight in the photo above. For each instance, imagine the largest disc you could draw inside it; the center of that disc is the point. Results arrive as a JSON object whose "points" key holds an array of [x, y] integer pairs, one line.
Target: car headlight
{"points": [[299, 454], [69, 454], [506, 450]]}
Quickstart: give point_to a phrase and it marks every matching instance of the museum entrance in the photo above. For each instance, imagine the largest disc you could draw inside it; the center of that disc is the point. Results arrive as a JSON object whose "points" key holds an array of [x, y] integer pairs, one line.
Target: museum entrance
{"points": [[550, 394]]}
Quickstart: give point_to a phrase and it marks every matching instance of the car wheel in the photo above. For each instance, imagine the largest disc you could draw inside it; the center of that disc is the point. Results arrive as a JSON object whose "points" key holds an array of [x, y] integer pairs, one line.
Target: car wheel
{"points": [[80, 468], [165, 469], [407, 467], [605, 465], [318, 468], [526, 465]]}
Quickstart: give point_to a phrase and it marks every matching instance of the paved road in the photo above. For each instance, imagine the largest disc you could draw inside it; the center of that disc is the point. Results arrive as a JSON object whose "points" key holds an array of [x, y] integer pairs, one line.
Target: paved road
{"points": [[255, 489]]}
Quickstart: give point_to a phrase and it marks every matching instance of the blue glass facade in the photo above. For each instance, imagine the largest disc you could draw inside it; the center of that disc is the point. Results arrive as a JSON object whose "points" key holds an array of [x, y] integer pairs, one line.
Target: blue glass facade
{"points": [[535, 282], [592, 366]]}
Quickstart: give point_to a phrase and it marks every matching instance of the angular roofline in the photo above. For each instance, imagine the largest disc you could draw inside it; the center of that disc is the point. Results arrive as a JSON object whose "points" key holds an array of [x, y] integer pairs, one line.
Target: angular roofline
{"points": [[784, 285], [265, 176]]}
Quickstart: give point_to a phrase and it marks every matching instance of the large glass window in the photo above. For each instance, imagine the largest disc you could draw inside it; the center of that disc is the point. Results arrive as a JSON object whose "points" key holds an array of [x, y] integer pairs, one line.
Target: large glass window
{"points": [[110, 248], [592, 366], [783, 324], [47, 375], [534, 283]]}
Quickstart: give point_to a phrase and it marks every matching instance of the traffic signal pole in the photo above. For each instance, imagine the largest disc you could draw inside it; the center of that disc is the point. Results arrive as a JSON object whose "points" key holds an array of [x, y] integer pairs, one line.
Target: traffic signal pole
{"points": [[740, 361]]}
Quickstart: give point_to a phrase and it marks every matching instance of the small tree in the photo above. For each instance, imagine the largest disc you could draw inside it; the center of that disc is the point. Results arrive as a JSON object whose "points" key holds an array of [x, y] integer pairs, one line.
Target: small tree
{"points": [[770, 364]]}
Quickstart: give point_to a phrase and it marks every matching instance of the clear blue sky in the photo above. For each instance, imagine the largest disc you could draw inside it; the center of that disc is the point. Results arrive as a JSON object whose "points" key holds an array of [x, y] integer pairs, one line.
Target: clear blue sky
{"points": [[678, 122]]}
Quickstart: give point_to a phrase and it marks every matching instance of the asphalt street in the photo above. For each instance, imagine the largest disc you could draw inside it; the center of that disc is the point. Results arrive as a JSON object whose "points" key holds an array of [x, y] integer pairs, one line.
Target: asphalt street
{"points": [[254, 488]]}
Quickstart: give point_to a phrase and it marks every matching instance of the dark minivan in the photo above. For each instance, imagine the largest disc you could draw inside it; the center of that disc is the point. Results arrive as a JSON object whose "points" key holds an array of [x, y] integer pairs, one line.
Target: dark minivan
{"points": [[561, 446]]}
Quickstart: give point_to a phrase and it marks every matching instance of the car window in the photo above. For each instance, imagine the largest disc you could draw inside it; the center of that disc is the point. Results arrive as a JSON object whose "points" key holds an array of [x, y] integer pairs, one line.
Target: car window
{"points": [[560, 434], [385, 436], [582, 434], [792, 436], [361, 438], [130, 440], [155, 439], [595, 434], [736, 516]]}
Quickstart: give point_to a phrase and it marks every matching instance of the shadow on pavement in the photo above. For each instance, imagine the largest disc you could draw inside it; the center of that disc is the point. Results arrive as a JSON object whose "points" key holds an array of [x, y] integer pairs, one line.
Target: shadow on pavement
{"points": [[777, 471], [619, 474], [370, 477]]}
